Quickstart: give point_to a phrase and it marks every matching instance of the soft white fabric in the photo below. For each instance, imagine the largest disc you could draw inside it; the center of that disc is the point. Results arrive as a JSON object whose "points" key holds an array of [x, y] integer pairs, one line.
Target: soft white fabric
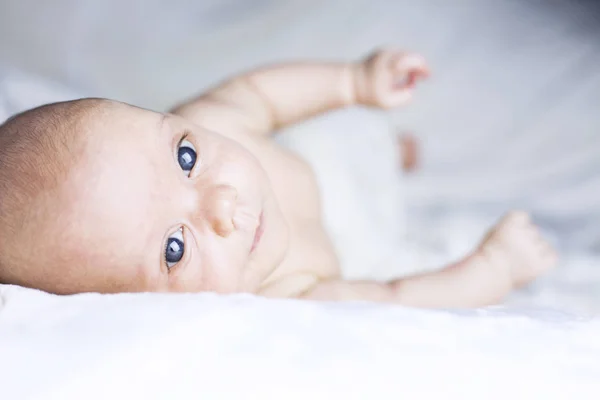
{"points": [[154, 346]]}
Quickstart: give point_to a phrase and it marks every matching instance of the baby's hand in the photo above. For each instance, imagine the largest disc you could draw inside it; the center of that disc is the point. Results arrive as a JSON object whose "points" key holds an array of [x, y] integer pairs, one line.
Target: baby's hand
{"points": [[386, 78]]}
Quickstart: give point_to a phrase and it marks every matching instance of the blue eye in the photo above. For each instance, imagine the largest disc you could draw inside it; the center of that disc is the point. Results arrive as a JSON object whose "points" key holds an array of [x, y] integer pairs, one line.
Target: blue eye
{"points": [[186, 156], [175, 248]]}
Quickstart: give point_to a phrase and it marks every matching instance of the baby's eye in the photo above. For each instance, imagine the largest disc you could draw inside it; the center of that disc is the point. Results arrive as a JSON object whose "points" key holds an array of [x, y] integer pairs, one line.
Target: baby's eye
{"points": [[175, 248], [186, 156]]}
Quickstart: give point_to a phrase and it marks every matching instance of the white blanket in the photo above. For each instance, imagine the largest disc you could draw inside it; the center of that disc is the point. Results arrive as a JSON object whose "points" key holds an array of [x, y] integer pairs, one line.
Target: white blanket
{"points": [[154, 346]]}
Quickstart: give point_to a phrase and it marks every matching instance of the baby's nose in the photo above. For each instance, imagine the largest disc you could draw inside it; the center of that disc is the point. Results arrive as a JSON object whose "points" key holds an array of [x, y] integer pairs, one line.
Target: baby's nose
{"points": [[221, 204]]}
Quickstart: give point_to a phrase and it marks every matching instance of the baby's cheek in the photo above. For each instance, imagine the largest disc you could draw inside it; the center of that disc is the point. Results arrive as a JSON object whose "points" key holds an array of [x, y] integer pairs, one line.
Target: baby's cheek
{"points": [[222, 265]]}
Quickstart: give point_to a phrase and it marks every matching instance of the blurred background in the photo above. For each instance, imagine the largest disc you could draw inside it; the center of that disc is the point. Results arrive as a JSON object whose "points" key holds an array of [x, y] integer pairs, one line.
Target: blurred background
{"points": [[510, 118]]}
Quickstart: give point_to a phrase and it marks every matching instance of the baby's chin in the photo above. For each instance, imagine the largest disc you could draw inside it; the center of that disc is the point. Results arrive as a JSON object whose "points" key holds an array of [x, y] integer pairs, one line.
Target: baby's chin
{"points": [[272, 248]]}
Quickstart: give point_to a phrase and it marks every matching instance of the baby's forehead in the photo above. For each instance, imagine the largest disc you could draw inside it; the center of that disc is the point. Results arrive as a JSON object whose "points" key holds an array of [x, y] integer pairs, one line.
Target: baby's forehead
{"points": [[114, 185], [123, 137], [120, 120]]}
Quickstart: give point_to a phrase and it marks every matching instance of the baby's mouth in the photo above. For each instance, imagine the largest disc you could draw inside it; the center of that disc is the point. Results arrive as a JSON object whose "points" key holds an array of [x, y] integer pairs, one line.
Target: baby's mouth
{"points": [[247, 222], [258, 233]]}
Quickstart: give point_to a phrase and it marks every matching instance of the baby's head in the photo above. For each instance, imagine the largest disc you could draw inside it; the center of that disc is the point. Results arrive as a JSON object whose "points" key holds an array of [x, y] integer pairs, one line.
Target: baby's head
{"points": [[101, 196]]}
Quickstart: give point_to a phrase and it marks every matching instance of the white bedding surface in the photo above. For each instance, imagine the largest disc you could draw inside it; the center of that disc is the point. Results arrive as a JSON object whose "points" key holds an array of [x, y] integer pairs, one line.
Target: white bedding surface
{"points": [[154, 346]]}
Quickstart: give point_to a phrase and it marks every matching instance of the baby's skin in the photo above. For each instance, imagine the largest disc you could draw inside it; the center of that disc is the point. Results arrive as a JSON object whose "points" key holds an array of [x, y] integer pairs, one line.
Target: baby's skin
{"points": [[202, 199]]}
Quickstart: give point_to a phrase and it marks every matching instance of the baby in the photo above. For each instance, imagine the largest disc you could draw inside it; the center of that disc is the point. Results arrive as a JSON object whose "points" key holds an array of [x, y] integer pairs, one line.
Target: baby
{"points": [[101, 196]]}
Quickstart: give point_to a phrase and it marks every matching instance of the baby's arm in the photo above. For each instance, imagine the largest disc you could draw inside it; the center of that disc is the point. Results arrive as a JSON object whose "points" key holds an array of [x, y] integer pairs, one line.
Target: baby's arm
{"points": [[512, 254], [271, 98], [460, 285]]}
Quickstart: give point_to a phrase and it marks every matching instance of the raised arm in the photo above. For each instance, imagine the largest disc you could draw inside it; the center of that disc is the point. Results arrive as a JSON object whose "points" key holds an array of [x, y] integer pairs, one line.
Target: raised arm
{"points": [[270, 98]]}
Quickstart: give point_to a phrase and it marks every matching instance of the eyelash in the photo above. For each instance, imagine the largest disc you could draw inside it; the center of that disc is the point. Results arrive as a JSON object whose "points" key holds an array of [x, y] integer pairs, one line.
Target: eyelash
{"points": [[185, 136]]}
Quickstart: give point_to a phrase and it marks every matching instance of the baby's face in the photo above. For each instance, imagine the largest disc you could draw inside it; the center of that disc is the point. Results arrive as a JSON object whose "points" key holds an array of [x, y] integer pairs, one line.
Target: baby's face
{"points": [[161, 204]]}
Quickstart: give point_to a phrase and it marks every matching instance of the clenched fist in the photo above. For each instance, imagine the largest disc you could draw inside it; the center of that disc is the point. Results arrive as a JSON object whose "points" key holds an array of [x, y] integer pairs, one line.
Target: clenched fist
{"points": [[386, 78]]}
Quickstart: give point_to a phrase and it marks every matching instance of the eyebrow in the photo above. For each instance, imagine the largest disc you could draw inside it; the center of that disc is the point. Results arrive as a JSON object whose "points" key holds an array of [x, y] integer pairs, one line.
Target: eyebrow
{"points": [[151, 275], [161, 122], [150, 242]]}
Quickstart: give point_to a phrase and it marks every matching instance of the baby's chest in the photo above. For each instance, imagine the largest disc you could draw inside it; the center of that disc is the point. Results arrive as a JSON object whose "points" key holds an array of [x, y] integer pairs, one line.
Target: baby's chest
{"points": [[295, 186]]}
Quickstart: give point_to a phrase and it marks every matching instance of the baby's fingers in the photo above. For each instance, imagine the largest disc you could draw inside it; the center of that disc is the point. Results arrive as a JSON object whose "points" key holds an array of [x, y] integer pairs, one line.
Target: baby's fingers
{"points": [[408, 68]]}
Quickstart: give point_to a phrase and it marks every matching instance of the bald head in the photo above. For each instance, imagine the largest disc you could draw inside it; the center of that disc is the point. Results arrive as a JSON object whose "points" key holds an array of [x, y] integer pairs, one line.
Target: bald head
{"points": [[38, 148]]}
